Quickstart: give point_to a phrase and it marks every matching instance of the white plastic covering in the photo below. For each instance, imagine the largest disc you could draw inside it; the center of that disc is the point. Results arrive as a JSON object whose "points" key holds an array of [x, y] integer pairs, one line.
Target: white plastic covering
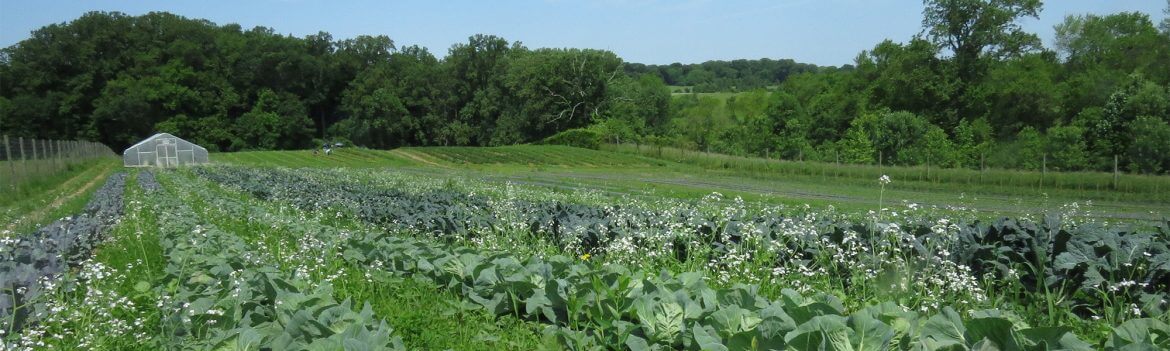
{"points": [[163, 150]]}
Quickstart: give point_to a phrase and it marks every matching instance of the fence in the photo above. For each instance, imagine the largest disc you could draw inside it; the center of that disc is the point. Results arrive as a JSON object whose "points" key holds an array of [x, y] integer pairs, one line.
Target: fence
{"points": [[24, 159]]}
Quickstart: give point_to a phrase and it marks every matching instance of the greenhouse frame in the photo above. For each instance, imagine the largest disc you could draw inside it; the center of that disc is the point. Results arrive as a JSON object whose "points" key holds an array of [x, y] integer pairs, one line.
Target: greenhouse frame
{"points": [[164, 150]]}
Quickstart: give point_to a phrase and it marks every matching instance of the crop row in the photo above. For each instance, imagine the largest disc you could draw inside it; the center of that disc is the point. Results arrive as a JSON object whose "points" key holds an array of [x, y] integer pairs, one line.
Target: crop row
{"points": [[614, 306], [220, 293], [31, 264], [1087, 264]]}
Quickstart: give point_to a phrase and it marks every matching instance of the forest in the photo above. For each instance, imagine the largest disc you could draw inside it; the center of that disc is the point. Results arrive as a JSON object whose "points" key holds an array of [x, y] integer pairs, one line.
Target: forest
{"points": [[973, 89]]}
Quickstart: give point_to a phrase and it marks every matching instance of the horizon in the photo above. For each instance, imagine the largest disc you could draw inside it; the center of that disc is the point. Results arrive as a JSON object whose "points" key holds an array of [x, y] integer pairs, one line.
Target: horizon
{"points": [[650, 32]]}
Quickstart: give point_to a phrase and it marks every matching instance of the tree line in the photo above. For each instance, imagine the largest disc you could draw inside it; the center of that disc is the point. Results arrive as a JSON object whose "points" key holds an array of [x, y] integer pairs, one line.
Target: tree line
{"points": [[973, 89], [115, 78]]}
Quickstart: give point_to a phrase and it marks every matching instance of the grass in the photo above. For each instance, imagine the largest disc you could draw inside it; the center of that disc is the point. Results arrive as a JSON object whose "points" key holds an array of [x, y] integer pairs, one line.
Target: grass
{"points": [[135, 250], [346, 157], [56, 157], [533, 155], [12, 192], [1084, 185], [38, 202], [684, 174], [428, 318]]}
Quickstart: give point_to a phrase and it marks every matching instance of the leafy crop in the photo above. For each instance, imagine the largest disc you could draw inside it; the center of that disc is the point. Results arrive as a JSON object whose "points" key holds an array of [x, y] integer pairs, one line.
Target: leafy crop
{"points": [[31, 264], [618, 306], [1081, 262], [221, 295], [610, 306], [147, 182]]}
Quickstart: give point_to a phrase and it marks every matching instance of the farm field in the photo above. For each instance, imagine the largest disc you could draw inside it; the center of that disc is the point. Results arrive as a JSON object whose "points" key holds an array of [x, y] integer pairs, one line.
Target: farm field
{"points": [[853, 188], [535, 247]]}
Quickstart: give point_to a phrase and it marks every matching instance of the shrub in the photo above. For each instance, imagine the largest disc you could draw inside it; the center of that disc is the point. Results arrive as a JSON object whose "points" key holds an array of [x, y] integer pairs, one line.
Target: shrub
{"points": [[579, 137]]}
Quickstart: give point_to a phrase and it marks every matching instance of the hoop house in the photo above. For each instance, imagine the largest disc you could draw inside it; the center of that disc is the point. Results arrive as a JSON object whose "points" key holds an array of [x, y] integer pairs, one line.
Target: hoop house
{"points": [[164, 150]]}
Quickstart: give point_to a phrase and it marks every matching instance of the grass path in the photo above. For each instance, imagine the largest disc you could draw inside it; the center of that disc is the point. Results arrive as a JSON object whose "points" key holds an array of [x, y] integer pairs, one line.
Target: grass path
{"points": [[416, 157], [55, 200]]}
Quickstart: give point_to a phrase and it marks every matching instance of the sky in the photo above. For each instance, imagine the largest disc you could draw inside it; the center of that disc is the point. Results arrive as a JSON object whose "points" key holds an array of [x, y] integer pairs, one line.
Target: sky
{"points": [[825, 32]]}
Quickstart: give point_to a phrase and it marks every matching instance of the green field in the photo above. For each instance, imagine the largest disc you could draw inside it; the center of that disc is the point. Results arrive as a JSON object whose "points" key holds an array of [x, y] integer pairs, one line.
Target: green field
{"points": [[681, 174], [550, 247]]}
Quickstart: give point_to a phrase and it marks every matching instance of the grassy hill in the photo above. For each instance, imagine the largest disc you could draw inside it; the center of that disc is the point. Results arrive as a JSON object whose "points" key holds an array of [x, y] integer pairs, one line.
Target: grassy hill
{"points": [[542, 155], [518, 155], [345, 157]]}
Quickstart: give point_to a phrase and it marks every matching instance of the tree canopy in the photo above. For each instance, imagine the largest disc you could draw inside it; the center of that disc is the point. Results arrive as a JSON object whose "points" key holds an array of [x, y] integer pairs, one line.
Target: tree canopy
{"points": [[116, 78], [973, 89]]}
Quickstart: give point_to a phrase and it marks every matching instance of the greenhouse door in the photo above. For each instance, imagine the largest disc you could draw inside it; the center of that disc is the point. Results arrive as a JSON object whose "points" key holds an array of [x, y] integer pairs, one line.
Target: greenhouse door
{"points": [[165, 153]]}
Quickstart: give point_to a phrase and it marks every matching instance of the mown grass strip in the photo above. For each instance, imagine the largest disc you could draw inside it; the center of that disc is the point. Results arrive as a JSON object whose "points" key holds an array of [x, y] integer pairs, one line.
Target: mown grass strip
{"points": [[1083, 185], [58, 197], [343, 157]]}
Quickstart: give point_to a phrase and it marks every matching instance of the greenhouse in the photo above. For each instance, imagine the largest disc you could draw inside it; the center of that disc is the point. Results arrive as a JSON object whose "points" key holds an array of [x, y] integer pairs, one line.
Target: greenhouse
{"points": [[164, 150]]}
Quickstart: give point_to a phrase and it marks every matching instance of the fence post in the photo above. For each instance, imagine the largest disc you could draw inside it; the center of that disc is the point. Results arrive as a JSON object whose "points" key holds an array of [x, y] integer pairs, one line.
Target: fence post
{"points": [[36, 156], [60, 159], [23, 158], [51, 155], [11, 163], [45, 154], [981, 167], [1043, 170], [48, 155], [1115, 174]]}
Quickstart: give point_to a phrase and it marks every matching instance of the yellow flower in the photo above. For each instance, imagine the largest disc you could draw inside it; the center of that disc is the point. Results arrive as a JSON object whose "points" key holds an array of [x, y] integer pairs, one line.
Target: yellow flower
{"points": [[585, 257]]}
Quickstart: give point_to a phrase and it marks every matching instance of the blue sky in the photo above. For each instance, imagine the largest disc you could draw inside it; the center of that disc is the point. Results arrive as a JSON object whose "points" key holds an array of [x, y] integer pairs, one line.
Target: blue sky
{"points": [[827, 32]]}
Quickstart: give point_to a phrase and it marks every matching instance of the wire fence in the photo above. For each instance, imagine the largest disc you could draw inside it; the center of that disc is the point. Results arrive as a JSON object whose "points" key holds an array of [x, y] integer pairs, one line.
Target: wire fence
{"points": [[23, 159]]}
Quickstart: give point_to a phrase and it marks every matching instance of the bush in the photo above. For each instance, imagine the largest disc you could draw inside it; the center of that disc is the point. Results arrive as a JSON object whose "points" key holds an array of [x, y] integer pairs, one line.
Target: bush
{"points": [[580, 137]]}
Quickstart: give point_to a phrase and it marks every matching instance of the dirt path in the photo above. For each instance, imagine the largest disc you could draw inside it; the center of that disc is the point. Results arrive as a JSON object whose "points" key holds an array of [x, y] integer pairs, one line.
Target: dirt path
{"points": [[37, 215], [415, 157]]}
